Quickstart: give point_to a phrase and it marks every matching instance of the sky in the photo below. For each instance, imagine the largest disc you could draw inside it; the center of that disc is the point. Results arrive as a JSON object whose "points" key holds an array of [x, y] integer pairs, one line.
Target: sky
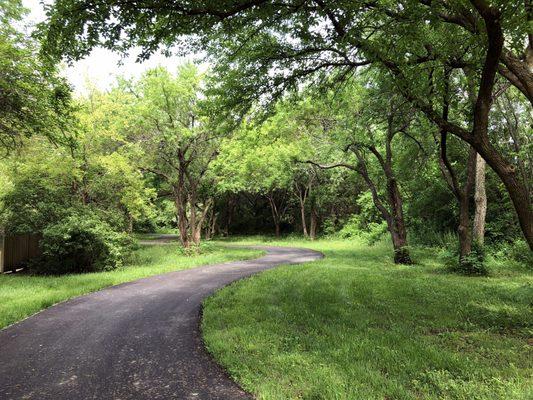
{"points": [[102, 66]]}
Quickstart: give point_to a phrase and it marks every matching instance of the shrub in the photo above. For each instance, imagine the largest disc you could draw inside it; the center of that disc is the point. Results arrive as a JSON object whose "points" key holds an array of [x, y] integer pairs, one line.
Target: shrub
{"points": [[81, 243], [370, 232], [519, 251], [472, 264], [352, 228]]}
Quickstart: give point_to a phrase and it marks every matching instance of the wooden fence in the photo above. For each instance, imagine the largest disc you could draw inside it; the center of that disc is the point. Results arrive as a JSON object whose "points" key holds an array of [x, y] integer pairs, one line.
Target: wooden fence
{"points": [[15, 251]]}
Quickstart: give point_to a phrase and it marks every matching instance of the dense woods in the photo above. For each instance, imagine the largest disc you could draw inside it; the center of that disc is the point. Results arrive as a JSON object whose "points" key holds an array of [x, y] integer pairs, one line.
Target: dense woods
{"points": [[343, 118]]}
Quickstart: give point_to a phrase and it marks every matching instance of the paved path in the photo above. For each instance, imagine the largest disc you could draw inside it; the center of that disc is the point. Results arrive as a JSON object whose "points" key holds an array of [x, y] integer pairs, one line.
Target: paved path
{"points": [[138, 340]]}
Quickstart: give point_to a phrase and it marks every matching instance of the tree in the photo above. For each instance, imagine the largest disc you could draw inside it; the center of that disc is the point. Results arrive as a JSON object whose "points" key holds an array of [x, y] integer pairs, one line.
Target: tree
{"points": [[34, 99], [177, 141], [261, 48], [106, 157], [367, 122], [263, 167]]}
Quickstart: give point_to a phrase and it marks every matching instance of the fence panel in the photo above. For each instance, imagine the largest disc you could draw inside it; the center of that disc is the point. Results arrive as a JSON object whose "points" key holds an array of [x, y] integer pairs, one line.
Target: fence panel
{"points": [[18, 249]]}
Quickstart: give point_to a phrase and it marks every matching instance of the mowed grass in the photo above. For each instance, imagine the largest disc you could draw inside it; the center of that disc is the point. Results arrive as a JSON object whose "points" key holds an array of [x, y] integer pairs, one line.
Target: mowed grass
{"points": [[356, 326], [23, 295]]}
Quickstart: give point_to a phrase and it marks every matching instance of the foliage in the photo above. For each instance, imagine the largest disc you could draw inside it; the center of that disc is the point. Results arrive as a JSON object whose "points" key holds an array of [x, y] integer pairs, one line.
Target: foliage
{"points": [[471, 264], [447, 60], [34, 98], [81, 243], [516, 250], [370, 232], [40, 188]]}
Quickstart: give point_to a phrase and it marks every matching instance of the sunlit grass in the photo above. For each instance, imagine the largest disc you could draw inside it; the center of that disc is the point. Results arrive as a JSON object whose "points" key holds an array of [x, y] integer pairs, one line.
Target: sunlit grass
{"points": [[356, 326], [22, 295]]}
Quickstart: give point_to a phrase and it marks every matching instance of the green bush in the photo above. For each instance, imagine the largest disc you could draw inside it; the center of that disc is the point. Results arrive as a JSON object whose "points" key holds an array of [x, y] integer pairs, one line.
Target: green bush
{"points": [[352, 228], [472, 264], [81, 243], [519, 251], [370, 232]]}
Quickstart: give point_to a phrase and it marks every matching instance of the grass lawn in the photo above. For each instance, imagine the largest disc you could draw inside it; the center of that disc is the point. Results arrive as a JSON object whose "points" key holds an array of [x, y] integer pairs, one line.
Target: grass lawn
{"points": [[23, 295], [356, 326]]}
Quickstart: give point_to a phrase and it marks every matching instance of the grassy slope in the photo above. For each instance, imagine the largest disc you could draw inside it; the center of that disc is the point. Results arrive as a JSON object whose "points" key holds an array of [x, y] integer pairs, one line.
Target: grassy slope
{"points": [[23, 295], [355, 326]]}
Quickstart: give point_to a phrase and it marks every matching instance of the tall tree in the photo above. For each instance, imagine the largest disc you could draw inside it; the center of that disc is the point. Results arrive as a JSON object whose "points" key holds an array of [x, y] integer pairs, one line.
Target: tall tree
{"points": [[34, 99], [367, 124], [177, 141], [262, 48]]}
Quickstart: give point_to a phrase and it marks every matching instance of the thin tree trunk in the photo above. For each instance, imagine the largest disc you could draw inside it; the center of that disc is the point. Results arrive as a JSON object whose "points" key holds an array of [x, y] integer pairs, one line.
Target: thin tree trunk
{"points": [[182, 219], [213, 225], [480, 198], [461, 194], [398, 229], [275, 214], [394, 217], [302, 215], [313, 226], [302, 193], [197, 221]]}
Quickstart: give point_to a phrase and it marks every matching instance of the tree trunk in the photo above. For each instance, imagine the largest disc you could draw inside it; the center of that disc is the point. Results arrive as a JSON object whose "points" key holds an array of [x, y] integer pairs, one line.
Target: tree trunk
{"points": [[480, 198], [196, 221], [302, 192], [182, 223], [397, 228], [314, 223], [517, 190], [213, 224], [463, 230], [302, 214], [394, 215], [276, 217], [461, 194], [229, 213]]}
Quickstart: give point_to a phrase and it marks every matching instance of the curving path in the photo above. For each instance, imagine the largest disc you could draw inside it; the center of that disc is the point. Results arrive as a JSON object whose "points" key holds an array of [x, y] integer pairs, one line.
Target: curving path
{"points": [[138, 340]]}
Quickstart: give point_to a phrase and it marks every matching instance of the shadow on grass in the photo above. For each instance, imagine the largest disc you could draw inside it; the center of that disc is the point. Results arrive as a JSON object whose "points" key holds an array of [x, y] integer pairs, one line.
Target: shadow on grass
{"points": [[354, 325]]}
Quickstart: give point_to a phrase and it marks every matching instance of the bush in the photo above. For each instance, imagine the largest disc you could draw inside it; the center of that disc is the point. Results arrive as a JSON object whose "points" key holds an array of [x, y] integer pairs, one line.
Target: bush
{"points": [[515, 254], [352, 228], [472, 264], [519, 251], [81, 243], [370, 232]]}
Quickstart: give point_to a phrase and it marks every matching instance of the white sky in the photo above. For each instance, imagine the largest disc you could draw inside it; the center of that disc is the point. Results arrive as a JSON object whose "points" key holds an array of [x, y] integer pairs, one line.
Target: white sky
{"points": [[101, 67]]}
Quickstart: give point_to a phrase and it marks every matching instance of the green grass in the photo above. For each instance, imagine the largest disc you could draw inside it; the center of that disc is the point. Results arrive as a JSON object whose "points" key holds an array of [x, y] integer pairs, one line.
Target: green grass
{"points": [[356, 326], [23, 295]]}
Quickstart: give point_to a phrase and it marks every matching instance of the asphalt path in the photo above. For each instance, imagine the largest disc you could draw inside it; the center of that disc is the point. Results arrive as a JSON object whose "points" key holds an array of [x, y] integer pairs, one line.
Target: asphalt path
{"points": [[137, 340]]}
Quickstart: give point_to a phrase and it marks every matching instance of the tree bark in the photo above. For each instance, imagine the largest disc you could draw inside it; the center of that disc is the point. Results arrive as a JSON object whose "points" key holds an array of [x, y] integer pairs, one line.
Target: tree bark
{"points": [[302, 194], [461, 194], [181, 214], [398, 229], [302, 216], [480, 198], [313, 225], [197, 220], [276, 214], [393, 216]]}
